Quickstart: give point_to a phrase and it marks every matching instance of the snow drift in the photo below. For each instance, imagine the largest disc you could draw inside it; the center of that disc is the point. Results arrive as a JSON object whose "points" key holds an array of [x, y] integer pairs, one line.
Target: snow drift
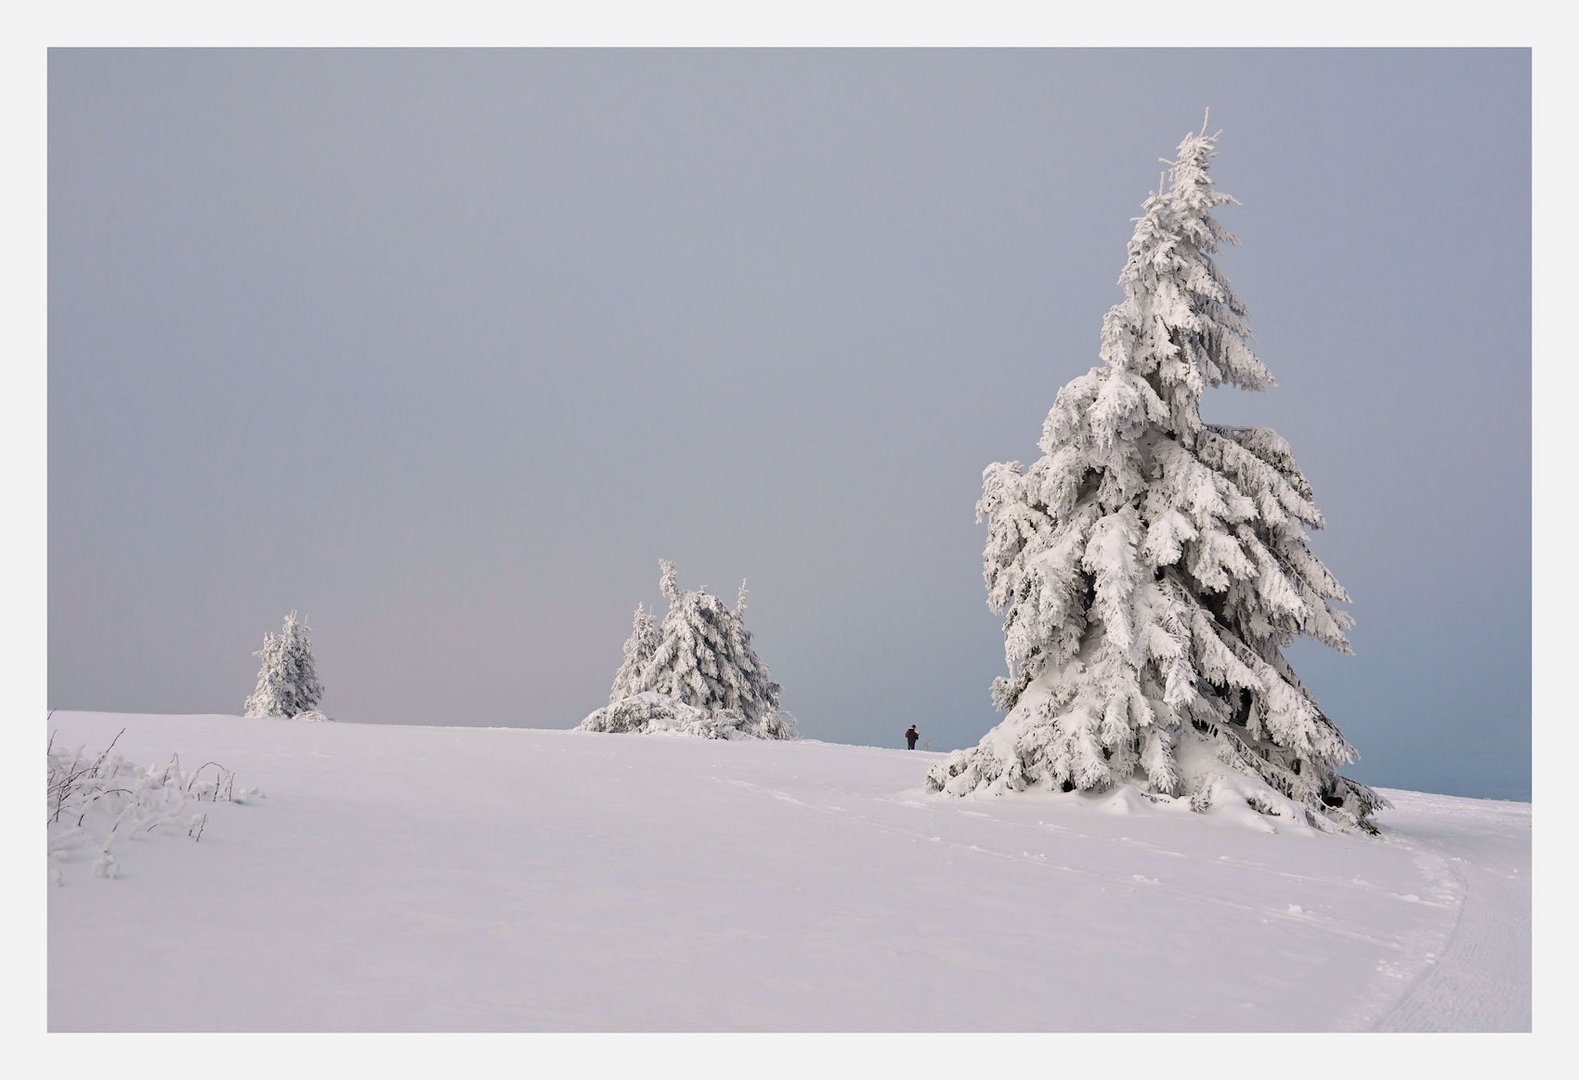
{"points": [[649, 714]]}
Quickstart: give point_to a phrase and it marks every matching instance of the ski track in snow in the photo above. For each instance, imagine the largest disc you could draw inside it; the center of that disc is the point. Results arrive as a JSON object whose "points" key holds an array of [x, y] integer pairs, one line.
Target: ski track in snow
{"points": [[1465, 986], [1456, 983]]}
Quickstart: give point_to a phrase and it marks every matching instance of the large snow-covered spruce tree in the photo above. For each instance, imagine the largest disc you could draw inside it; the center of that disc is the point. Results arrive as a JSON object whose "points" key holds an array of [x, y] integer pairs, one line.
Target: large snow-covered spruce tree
{"points": [[696, 673], [287, 677], [1151, 567]]}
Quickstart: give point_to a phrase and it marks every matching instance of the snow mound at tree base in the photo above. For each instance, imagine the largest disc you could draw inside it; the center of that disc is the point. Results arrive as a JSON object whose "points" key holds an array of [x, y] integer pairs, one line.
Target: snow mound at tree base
{"points": [[1211, 777], [652, 713]]}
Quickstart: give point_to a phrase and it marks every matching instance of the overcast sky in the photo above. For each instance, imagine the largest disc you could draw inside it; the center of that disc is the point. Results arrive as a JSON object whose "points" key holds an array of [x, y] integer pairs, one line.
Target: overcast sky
{"points": [[446, 349]]}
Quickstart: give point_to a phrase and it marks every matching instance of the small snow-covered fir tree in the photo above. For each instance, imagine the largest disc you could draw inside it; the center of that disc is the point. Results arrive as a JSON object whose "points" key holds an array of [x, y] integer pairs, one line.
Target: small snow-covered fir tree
{"points": [[639, 647], [1151, 567], [287, 677], [702, 675]]}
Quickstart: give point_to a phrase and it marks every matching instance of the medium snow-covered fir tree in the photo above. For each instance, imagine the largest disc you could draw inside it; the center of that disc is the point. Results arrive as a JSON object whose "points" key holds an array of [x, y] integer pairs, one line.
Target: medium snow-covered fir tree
{"points": [[1151, 567], [696, 673], [705, 659], [287, 677]]}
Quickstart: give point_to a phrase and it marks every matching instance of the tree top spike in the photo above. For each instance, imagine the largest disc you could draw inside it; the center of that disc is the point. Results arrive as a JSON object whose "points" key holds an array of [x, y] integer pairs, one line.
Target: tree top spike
{"points": [[667, 580]]}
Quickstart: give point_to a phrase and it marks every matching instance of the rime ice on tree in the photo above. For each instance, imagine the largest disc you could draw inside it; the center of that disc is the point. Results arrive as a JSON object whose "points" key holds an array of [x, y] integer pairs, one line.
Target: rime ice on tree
{"points": [[639, 647], [287, 678], [1150, 567], [696, 674]]}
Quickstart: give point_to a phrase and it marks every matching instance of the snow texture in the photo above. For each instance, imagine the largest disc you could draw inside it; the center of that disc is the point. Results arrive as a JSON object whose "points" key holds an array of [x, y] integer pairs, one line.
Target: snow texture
{"points": [[1151, 567], [287, 677], [475, 879], [697, 674]]}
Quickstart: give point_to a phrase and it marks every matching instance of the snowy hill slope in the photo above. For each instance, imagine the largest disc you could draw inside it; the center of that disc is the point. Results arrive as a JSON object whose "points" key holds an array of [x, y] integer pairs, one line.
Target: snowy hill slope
{"points": [[403, 878]]}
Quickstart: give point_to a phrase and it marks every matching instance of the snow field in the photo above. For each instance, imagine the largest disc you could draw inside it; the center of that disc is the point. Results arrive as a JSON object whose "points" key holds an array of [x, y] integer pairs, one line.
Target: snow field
{"points": [[404, 878]]}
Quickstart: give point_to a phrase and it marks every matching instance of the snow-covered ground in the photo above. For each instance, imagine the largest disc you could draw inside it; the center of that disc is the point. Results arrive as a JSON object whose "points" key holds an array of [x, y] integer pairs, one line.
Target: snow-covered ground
{"points": [[441, 878]]}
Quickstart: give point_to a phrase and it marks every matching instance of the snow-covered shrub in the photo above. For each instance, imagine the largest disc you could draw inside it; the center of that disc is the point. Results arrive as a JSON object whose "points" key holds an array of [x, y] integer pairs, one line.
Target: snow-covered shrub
{"points": [[94, 801], [287, 677], [1151, 566], [700, 658]]}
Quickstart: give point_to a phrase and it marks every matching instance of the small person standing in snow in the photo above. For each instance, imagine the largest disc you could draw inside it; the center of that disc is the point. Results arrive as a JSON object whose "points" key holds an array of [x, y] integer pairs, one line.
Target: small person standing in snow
{"points": [[911, 735]]}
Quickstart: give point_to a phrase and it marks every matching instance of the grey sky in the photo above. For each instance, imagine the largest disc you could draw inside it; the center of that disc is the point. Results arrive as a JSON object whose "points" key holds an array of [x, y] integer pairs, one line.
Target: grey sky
{"points": [[445, 349]]}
